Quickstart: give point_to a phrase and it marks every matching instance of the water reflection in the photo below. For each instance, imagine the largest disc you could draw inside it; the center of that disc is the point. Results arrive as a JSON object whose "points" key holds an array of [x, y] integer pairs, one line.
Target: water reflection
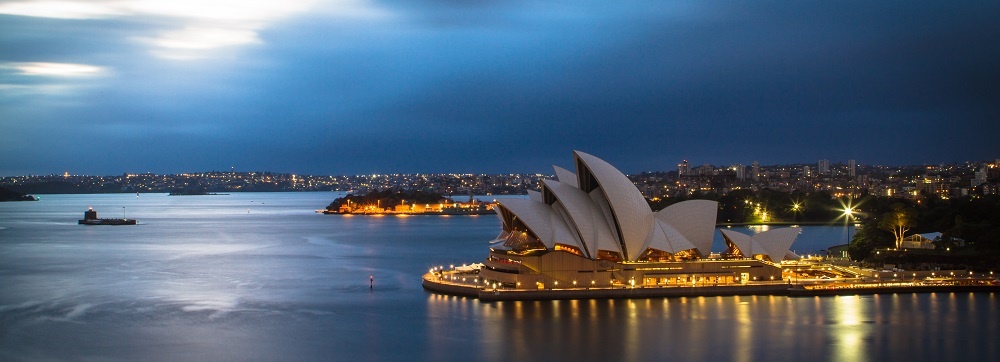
{"points": [[200, 279], [740, 328], [847, 333]]}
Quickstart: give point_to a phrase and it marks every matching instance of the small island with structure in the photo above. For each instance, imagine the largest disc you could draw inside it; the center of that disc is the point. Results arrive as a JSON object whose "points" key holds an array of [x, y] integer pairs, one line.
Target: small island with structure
{"points": [[390, 202], [90, 218]]}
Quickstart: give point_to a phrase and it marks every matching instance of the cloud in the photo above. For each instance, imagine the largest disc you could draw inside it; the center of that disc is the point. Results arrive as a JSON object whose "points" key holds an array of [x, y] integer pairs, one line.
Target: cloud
{"points": [[43, 78], [55, 69], [204, 25], [63, 9], [393, 85]]}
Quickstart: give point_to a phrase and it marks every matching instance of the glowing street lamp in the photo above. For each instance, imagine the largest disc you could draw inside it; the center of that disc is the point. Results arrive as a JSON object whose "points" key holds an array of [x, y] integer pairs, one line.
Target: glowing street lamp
{"points": [[848, 214]]}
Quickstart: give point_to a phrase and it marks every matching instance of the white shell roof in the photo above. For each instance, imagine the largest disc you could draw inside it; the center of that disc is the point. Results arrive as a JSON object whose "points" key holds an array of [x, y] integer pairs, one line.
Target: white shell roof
{"points": [[741, 240], [542, 221], [632, 213], [777, 241], [566, 176], [535, 196], [773, 243], [666, 238], [695, 219], [593, 228], [613, 206]]}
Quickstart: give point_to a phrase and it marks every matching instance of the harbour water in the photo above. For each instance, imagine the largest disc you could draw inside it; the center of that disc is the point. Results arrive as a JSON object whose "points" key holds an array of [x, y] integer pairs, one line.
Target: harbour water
{"points": [[261, 276]]}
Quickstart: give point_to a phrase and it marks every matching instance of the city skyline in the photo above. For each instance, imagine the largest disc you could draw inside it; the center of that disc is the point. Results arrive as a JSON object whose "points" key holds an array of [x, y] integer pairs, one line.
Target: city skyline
{"points": [[354, 87], [666, 168], [838, 180]]}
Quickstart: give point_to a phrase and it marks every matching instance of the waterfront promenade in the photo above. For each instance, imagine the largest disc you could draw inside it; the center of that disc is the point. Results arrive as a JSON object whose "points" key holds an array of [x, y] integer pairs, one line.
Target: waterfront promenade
{"points": [[469, 285]]}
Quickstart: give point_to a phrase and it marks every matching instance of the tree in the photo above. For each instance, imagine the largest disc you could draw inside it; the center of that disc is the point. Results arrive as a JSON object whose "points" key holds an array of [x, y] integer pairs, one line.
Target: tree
{"points": [[899, 221], [869, 237]]}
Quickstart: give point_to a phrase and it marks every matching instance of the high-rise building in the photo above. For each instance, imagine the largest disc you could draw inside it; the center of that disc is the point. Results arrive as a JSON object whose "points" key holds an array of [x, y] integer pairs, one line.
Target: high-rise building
{"points": [[755, 170], [980, 176], [741, 171], [705, 170], [683, 168], [852, 168], [823, 168], [806, 171]]}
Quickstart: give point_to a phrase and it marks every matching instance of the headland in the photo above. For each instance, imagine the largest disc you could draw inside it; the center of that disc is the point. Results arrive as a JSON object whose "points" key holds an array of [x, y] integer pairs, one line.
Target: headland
{"points": [[390, 202], [10, 195]]}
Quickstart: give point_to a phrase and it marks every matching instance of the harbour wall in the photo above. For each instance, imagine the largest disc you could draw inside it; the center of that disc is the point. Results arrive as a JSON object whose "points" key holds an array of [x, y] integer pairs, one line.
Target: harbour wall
{"points": [[489, 295]]}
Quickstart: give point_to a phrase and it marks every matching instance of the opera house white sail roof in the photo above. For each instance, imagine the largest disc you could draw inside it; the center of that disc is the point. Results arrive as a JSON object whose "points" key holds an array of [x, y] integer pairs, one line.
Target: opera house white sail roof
{"points": [[598, 213], [772, 244]]}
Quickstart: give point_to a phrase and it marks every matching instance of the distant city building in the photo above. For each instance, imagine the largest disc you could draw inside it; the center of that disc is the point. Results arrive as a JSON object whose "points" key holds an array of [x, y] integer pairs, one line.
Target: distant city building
{"points": [[705, 170], [980, 176], [741, 171], [823, 168], [912, 182], [933, 185]]}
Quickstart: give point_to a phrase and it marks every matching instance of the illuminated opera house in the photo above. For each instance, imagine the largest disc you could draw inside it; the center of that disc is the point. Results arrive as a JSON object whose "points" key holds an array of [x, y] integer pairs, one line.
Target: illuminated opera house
{"points": [[594, 229]]}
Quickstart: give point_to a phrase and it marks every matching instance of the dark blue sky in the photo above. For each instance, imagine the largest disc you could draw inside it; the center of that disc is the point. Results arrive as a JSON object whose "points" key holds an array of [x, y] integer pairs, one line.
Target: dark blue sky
{"points": [[352, 86]]}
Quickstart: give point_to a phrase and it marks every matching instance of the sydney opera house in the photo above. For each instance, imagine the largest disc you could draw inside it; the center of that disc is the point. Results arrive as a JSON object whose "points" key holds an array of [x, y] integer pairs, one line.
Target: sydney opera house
{"points": [[594, 229]]}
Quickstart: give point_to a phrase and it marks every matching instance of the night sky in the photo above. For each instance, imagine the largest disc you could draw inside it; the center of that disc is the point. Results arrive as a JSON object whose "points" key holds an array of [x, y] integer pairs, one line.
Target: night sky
{"points": [[356, 87]]}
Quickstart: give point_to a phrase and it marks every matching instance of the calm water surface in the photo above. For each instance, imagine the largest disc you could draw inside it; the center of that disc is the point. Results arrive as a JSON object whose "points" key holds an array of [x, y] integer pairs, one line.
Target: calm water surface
{"points": [[260, 276]]}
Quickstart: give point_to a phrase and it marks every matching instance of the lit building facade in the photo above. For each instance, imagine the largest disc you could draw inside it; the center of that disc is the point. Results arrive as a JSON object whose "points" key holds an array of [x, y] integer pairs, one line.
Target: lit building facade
{"points": [[594, 228], [823, 167]]}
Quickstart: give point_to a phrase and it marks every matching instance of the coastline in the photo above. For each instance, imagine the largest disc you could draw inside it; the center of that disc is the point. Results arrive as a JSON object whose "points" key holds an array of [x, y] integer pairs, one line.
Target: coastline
{"points": [[786, 223]]}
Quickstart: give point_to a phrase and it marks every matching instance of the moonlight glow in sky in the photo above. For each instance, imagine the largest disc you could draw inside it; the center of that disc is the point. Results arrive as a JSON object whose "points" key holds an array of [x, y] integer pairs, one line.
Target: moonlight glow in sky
{"points": [[352, 86]]}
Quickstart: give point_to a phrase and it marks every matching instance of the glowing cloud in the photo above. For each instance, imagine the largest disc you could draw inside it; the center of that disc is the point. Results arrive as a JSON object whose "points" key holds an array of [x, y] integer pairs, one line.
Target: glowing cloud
{"points": [[62, 9], [204, 24], [57, 69]]}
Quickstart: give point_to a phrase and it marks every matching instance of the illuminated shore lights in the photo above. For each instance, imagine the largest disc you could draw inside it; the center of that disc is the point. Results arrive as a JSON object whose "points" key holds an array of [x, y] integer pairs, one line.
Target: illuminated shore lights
{"points": [[596, 225]]}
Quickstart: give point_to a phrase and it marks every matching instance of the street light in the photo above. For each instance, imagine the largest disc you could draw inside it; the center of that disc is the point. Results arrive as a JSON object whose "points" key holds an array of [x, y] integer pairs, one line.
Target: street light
{"points": [[848, 213]]}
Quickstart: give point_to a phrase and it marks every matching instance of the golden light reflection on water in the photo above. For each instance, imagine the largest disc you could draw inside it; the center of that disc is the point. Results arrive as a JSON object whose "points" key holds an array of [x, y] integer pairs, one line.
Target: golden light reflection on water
{"points": [[739, 328], [847, 333], [632, 333]]}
